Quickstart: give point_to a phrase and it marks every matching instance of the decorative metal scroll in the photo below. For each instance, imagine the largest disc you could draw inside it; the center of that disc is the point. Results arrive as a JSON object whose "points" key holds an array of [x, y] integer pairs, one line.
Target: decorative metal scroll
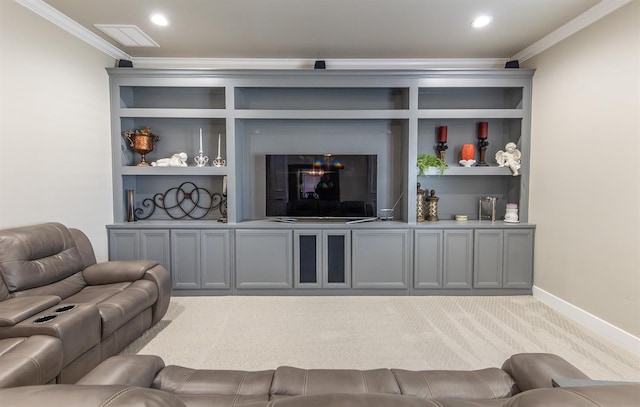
{"points": [[186, 201]]}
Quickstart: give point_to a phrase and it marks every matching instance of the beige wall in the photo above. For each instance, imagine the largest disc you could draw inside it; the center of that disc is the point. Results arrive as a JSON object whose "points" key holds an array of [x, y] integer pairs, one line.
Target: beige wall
{"points": [[54, 127], [585, 169]]}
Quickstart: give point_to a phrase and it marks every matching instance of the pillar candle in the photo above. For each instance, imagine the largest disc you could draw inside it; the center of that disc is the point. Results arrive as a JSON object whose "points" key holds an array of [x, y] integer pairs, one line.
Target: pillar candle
{"points": [[468, 152], [483, 130], [442, 134], [200, 141], [219, 146], [224, 185]]}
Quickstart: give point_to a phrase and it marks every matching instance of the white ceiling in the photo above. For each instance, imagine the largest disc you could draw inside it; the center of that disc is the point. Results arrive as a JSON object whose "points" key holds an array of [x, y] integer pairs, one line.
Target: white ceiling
{"points": [[328, 29]]}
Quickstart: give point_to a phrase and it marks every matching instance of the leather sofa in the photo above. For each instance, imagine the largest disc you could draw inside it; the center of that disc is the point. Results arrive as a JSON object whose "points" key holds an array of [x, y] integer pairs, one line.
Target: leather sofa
{"points": [[523, 381], [50, 284]]}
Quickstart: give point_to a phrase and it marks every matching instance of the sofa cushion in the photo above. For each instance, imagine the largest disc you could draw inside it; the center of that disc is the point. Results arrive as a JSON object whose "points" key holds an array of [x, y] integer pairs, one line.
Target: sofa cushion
{"points": [[215, 387], [491, 383], [29, 361], [63, 288], [124, 306], [291, 381], [38, 255]]}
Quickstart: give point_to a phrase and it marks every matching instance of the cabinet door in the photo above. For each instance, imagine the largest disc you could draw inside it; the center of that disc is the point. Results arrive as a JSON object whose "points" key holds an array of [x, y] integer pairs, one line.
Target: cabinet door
{"points": [[154, 245], [487, 258], [307, 258], [124, 244], [216, 264], [458, 258], [381, 258], [185, 259], [264, 259], [336, 259], [428, 259], [518, 258]]}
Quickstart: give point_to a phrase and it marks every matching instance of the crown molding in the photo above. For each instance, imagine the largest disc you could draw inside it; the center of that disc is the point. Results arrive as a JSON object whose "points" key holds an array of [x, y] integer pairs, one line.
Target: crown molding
{"points": [[585, 19], [292, 63], [49, 13]]}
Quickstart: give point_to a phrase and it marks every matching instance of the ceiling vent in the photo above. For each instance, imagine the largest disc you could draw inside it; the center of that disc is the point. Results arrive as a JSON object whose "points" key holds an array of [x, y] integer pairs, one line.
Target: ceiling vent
{"points": [[127, 35]]}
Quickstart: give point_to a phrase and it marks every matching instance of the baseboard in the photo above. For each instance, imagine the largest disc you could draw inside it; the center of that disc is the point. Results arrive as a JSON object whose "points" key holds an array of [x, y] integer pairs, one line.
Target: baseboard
{"points": [[600, 326]]}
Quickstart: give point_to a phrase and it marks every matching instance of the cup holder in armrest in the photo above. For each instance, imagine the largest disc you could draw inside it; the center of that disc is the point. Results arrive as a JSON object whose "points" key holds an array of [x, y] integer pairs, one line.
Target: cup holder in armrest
{"points": [[44, 319], [65, 308]]}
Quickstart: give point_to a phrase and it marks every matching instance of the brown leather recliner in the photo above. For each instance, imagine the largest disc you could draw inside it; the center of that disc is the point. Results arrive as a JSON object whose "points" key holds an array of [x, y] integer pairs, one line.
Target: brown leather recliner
{"points": [[50, 284]]}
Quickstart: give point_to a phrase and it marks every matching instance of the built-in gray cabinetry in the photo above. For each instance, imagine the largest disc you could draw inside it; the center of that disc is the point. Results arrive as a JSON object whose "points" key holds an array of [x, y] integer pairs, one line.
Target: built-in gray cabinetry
{"points": [[264, 259], [390, 116], [322, 258], [200, 259], [503, 258], [381, 259], [135, 244]]}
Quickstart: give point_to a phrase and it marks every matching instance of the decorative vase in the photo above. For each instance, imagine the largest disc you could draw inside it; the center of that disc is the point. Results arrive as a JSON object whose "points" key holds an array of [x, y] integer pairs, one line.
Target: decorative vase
{"points": [[511, 215], [131, 214], [432, 206], [142, 142], [420, 204]]}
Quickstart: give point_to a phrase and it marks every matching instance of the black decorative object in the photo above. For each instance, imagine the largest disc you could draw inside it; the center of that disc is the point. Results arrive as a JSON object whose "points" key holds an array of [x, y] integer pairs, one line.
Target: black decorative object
{"points": [[125, 63], [320, 65], [513, 64], [186, 201]]}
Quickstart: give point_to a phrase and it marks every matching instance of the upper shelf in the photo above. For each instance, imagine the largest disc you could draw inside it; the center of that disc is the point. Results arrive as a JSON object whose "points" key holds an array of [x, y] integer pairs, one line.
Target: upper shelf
{"points": [[471, 171]]}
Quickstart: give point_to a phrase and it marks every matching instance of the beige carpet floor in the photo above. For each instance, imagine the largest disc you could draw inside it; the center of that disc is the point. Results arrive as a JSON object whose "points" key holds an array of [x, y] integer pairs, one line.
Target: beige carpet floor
{"points": [[254, 333]]}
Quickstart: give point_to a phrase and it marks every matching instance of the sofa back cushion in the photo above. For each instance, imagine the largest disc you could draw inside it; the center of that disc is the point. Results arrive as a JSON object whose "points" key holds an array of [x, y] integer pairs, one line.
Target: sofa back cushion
{"points": [[36, 256], [291, 381], [491, 383]]}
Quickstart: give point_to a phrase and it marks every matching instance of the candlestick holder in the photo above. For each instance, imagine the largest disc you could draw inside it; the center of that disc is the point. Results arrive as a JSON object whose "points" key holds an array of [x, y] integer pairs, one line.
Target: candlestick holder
{"points": [[219, 162], [201, 159], [442, 149], [482, 146]]}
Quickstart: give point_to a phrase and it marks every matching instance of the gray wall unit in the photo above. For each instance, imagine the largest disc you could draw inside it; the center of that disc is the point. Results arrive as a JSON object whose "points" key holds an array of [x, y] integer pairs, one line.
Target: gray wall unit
{"points": [[518, 258], [428, 259], [150, 244], [392, 114], [264, 259], [381, 259], [322, 258], [457, 259], [503, 258]]}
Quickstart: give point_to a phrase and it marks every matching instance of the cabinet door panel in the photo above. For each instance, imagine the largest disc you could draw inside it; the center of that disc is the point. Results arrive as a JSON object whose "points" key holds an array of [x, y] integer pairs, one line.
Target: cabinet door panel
{"points": [[124, 245], [154, 245], [264, 259], [487, 259], [185, 258], [216, 264], [428, 259], [458, 260], [518, 258], [307, 258], [336, 259], [380, 258]]}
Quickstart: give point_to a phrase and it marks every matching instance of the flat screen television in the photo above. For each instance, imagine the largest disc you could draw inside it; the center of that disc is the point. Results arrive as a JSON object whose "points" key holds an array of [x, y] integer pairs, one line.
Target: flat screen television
{"points": [[322, 186]]}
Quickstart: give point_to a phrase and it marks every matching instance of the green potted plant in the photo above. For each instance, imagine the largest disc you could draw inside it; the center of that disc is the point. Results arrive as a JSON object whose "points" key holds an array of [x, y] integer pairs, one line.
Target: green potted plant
{"points": [[429, 160]]}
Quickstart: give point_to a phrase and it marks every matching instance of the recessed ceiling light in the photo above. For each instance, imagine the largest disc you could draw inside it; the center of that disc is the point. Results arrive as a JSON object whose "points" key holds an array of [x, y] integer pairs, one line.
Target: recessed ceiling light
{"points": [[159, 19], [481, 21]]}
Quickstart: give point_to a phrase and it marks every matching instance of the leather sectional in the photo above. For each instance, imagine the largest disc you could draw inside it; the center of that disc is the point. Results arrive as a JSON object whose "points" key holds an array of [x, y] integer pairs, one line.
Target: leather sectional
{"points": [[51, 285], [136, 380]]}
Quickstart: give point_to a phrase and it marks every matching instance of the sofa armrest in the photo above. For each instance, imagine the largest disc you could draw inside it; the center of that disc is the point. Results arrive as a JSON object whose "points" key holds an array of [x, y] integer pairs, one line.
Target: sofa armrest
{"points": [[110, 272], [15, 310], [130, 370], [536, 370]]}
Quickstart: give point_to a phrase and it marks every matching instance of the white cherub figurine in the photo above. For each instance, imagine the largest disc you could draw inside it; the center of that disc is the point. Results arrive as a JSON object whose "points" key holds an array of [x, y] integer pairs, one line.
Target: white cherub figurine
{"points": [[176, 160], [509, 158]]}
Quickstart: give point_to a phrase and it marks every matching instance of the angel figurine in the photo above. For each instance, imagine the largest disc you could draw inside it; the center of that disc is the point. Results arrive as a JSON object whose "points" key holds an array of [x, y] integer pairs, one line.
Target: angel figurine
{"points": [[510, 158], [176, 160]]}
